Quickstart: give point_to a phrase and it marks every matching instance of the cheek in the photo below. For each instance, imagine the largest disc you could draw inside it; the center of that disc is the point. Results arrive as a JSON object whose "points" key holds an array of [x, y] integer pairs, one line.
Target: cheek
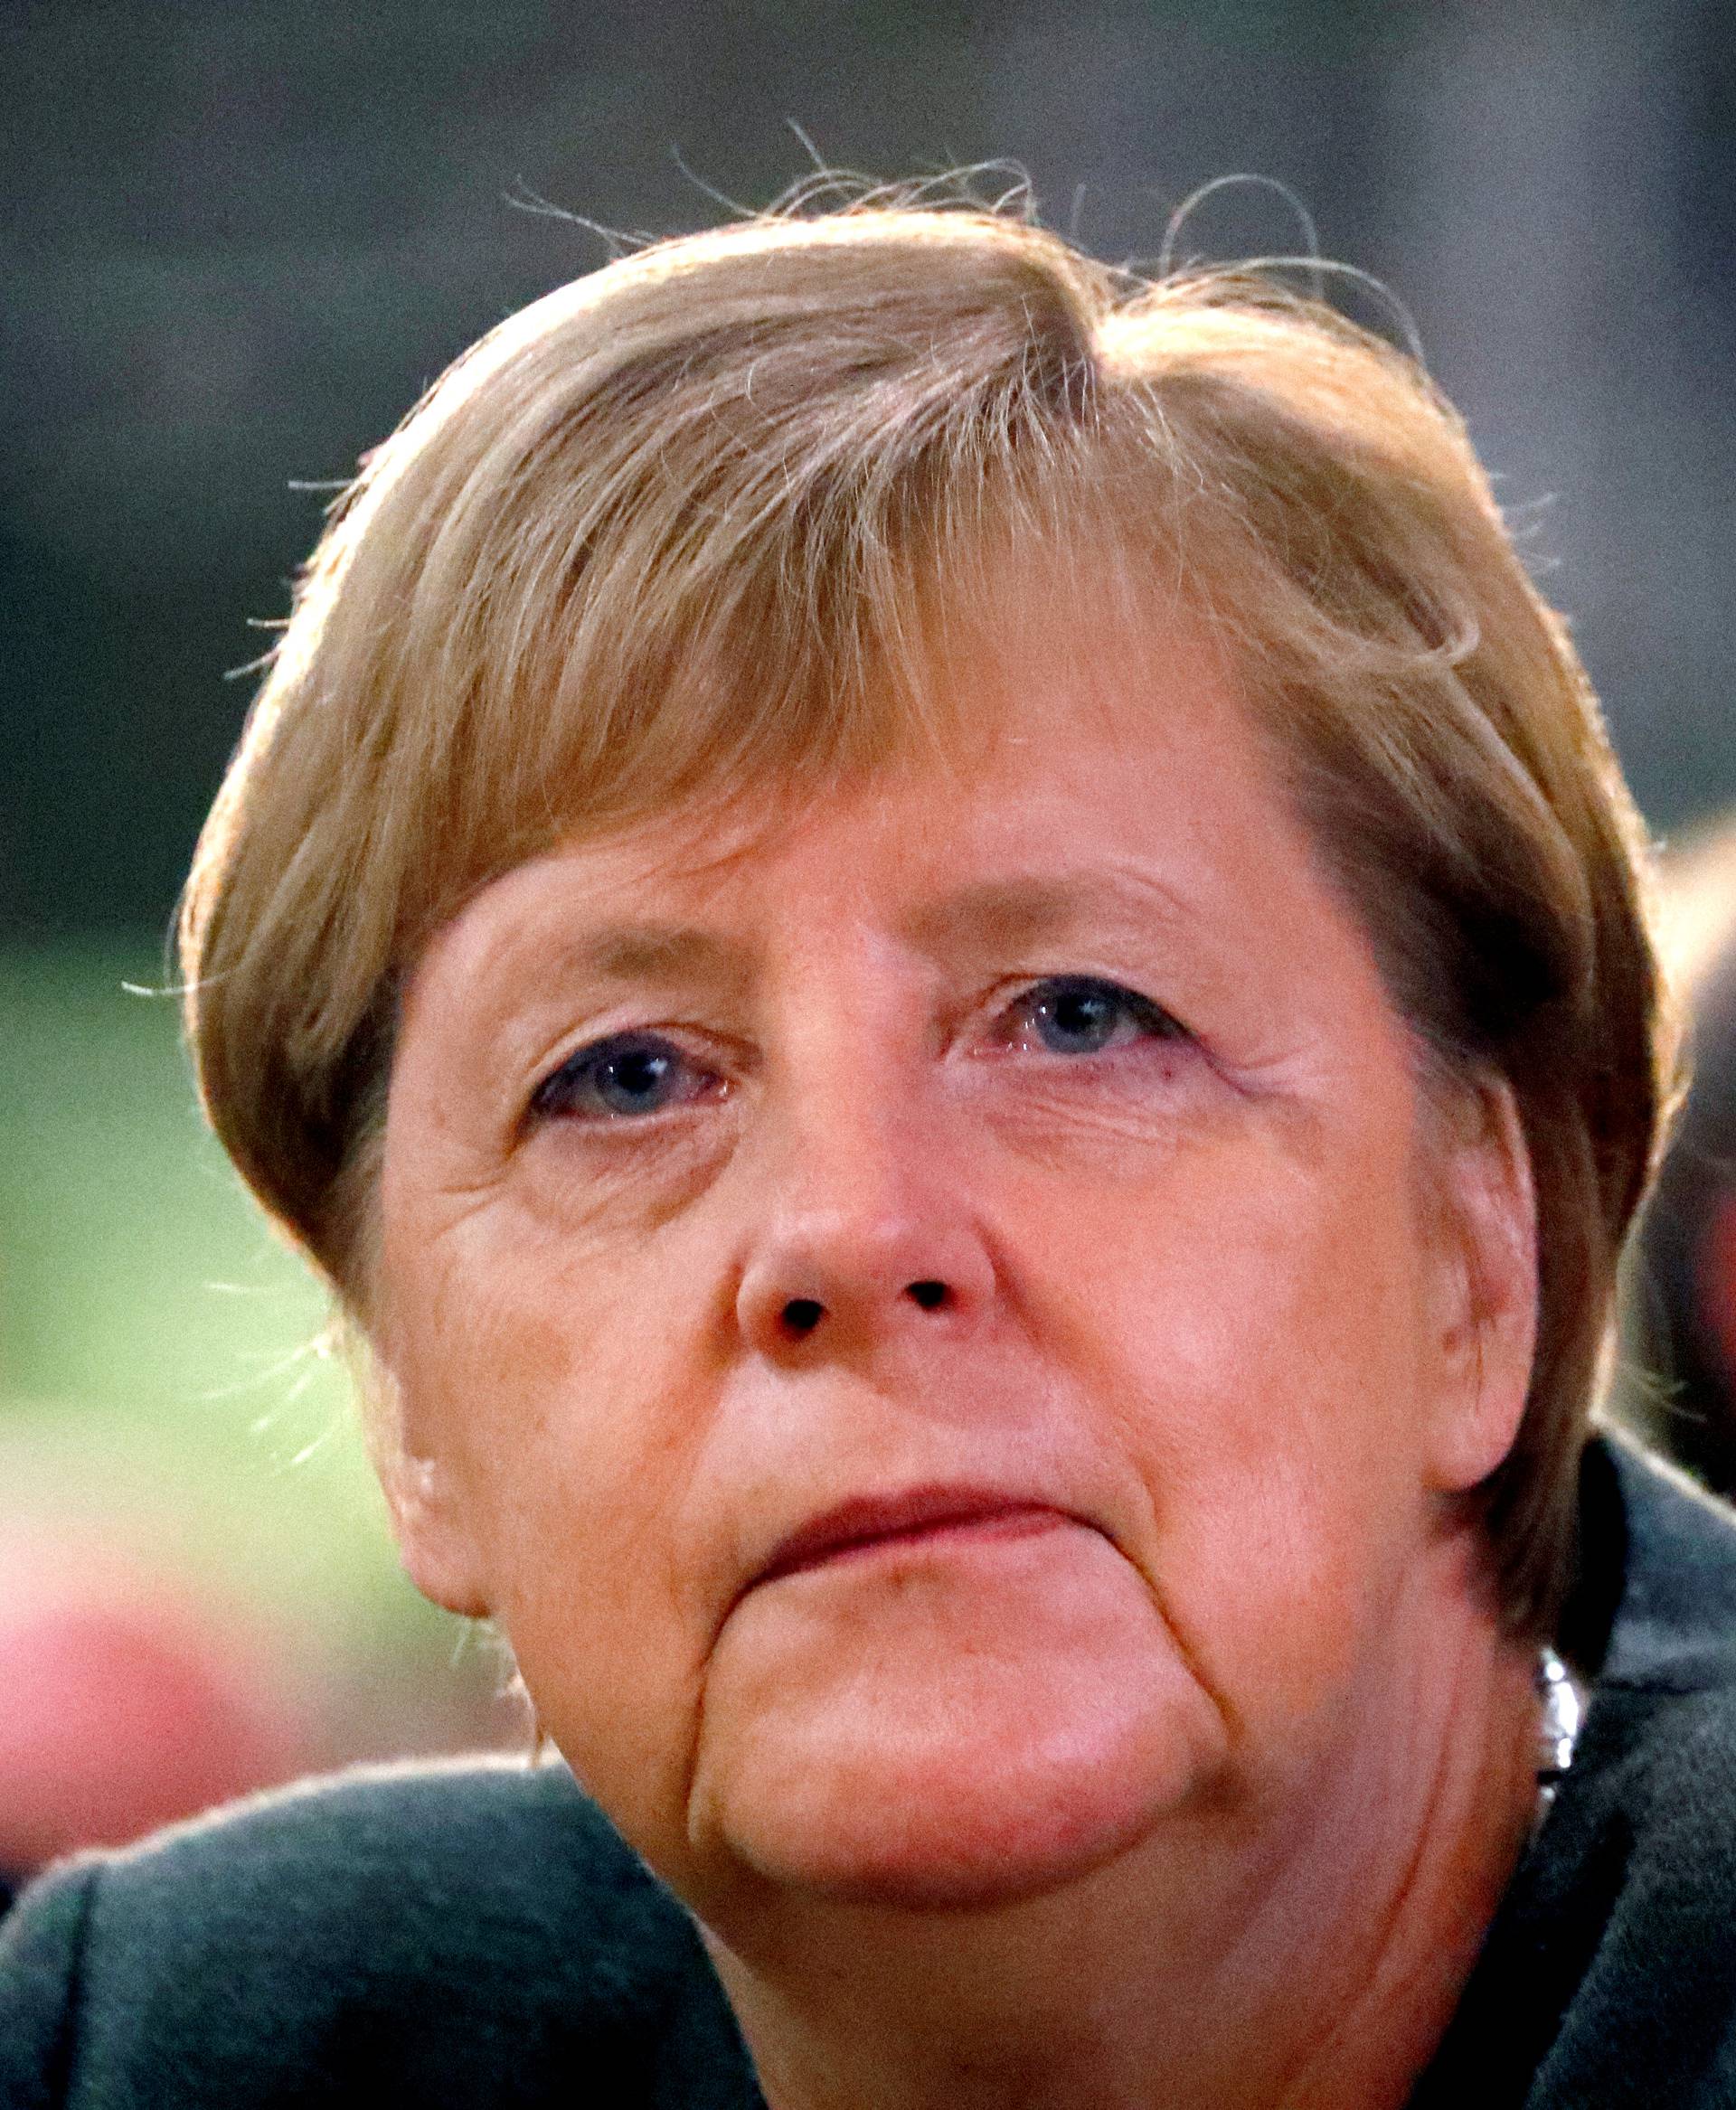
{"points": [[565, 1398], [1266, 1361]]}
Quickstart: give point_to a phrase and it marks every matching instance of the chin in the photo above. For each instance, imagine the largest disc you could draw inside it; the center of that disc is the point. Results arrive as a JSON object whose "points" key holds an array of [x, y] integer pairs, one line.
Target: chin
{"points": [[993, 1844], [957, 1798], [960, 1724]]}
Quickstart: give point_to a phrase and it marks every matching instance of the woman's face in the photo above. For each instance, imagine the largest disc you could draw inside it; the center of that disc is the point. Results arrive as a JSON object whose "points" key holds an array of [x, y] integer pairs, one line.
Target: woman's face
{"points": [[932, 1325]]}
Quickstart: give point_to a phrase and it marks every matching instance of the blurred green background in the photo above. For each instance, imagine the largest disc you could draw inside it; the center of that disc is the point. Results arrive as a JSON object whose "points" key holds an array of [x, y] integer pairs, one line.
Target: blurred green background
{"points": [[168, 1388]]}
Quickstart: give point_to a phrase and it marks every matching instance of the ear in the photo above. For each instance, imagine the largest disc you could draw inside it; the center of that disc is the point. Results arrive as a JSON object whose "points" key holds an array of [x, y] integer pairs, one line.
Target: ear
{"points": [[431, 1520], [1486, 1312]]}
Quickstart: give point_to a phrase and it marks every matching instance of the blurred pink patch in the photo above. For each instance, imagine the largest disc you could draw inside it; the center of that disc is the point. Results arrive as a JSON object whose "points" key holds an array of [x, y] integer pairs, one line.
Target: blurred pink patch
{"points": [[126, 1704]]}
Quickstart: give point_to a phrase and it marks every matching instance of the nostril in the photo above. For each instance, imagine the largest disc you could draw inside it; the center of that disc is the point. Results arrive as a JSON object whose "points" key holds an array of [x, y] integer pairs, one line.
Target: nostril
{"points": [[930, 1296], [801, 1315]]}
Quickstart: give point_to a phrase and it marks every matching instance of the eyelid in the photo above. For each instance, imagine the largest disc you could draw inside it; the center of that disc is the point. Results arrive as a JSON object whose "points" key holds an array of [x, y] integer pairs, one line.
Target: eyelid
{"points": [[595, 1047], [1162, 1021]]}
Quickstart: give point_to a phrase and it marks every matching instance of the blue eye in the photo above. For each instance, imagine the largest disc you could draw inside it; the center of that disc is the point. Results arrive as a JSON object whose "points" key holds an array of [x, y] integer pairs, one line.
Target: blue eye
{"points": [[628, 1075], [1076, 1014]]}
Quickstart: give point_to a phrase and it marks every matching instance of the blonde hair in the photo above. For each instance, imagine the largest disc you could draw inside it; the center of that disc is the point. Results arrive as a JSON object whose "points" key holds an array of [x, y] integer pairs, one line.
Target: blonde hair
{"points": [[677, 529], [1676, 1383]]}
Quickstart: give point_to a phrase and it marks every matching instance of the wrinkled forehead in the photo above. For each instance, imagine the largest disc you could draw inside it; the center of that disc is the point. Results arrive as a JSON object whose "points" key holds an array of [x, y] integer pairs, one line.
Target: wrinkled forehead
{"points": [[1105, 801], [720, 720]]}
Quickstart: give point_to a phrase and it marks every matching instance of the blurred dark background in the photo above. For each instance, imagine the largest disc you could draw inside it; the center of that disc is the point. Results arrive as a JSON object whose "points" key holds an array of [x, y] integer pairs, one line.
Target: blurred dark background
{"points": [[239, 238]]}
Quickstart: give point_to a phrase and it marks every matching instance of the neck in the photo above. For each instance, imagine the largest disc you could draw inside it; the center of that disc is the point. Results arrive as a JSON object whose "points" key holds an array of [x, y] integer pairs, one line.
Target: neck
{"points": [[1300, 1948]]}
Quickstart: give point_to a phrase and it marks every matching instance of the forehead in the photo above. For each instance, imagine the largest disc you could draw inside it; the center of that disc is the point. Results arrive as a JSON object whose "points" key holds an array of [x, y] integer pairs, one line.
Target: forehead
{"points": [[1098, 782]]}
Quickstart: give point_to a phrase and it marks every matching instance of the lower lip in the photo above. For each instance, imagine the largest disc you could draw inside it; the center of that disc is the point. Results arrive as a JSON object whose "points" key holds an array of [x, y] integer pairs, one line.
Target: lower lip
{"points": [[945, 1535]]}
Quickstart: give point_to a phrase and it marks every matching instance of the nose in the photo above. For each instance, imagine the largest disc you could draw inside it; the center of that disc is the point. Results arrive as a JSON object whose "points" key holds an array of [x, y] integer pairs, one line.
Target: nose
{"points": [[866, 1239]]}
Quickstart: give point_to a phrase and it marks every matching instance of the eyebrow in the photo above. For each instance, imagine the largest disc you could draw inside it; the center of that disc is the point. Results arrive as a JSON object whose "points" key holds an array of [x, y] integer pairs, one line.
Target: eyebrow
{"points": [[988, 917], [1001, 913], [654, 952]]}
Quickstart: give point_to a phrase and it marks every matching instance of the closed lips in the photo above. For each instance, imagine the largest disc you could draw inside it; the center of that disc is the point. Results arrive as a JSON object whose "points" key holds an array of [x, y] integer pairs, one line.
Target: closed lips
{"points": [[872, 1522]]}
